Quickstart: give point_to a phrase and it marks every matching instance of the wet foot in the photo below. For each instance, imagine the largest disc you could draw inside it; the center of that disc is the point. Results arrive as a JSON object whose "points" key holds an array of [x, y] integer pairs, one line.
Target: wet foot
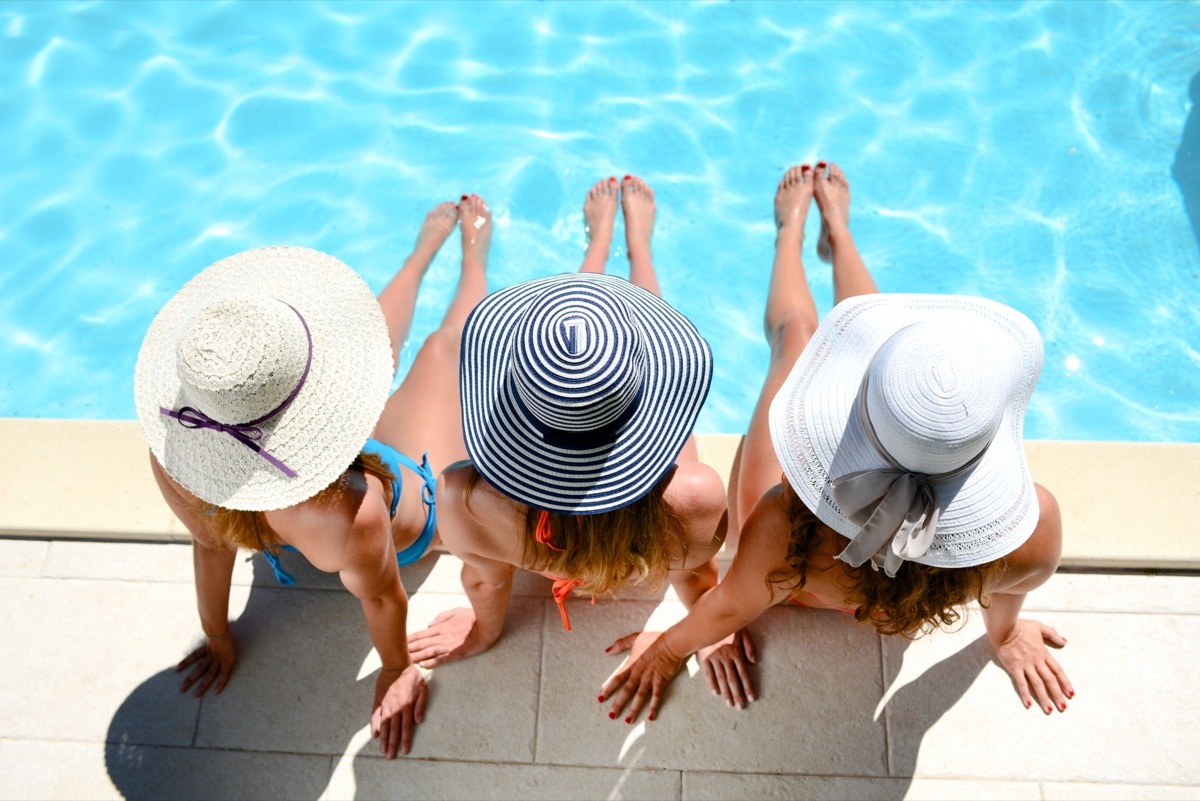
{"points": [[637, 204], [599, 213], [475, 220], [439, 222], [792, 200], [832, 194]]}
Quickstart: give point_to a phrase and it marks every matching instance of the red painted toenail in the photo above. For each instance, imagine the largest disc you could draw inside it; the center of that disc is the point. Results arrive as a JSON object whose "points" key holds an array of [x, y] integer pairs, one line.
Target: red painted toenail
{"points": [[464, 197], [803, 167], [820, 164], [627, 177]]}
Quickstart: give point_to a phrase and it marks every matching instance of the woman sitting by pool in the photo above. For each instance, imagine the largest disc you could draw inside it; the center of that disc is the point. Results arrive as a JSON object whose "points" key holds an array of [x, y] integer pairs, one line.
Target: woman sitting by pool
{"points": [[258, 385], [579, 395], [896, 425]]}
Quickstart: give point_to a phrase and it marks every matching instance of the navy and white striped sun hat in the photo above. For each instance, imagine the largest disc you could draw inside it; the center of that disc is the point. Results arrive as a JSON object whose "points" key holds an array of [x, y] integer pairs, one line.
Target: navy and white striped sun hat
{"points": [[579, 390]]}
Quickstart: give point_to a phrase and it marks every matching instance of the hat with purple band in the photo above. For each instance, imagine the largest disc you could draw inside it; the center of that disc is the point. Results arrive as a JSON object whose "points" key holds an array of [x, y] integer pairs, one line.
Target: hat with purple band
{"points": [[900, 426], [260, 380]]}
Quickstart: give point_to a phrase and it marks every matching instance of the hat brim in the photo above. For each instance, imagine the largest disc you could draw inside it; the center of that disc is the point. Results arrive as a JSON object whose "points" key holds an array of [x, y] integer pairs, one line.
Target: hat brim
{"points": [[985, 513], [509, 450], [322, 430]]}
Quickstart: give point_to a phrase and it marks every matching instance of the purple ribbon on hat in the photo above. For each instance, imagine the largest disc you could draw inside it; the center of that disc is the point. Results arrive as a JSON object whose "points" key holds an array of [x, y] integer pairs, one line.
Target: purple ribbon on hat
{"points": [[248, 433], [897, 507]]}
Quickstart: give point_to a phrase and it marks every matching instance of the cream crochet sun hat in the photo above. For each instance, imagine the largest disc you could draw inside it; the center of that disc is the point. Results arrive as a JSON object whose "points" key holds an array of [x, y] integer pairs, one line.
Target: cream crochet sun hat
{"points": [[260, 380], [901, 426]]}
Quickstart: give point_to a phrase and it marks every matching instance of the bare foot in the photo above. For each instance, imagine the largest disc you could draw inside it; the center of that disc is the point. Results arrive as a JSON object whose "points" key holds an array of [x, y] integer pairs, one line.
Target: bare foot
{"points": [[475, 220], [792, 200], [439, 222], [833, 199], [637, 203], [599, 213]]}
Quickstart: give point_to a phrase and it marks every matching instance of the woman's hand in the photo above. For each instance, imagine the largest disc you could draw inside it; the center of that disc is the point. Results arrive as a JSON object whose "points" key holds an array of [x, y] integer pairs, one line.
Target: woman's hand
{"points": [[1033, 670], [452, 635], [726, 668], [648, 670], [399, 707], [213, 660]]}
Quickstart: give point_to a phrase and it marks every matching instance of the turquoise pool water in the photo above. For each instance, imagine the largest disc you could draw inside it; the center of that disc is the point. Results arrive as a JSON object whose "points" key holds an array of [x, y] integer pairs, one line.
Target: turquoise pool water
{"points": [[1043, 154]]}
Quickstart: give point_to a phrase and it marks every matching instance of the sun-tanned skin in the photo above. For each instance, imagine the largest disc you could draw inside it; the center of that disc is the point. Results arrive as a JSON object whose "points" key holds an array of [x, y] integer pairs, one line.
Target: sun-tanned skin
{"points": [[759, 506], [489, 535], [345, 528]]}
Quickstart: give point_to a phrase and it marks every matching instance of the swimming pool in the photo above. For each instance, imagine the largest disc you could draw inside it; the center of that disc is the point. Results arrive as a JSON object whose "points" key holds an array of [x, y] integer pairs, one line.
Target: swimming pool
{"points": [[1042, 154]]}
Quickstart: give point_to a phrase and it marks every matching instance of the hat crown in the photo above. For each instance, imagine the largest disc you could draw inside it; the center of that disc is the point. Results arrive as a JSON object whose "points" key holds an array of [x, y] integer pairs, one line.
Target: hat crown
{"points": [[241, 357], [936, 394], [578, 357]]}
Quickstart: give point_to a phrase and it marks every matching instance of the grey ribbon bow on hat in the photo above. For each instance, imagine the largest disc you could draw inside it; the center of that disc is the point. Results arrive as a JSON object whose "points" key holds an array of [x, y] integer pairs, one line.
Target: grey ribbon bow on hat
{"points": [[896, 507]]}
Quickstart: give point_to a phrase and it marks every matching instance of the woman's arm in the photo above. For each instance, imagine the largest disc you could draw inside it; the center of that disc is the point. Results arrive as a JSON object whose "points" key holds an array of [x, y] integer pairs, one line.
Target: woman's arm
{"points": [[460, 633], [369, 572], [212, 565], [1019, 643], [740, 598]]}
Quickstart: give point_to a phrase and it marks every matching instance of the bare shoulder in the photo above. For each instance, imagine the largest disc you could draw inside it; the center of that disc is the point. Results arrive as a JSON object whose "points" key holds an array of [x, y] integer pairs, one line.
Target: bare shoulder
{"points": [[768, 529], [345, 524], [474, 518], [1030, 565], [695, 489]]}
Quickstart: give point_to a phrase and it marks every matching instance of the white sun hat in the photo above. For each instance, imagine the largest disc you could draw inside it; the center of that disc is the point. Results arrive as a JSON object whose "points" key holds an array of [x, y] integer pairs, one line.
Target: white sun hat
{"points": [[900, 426], [260, 380], [579, 391]]}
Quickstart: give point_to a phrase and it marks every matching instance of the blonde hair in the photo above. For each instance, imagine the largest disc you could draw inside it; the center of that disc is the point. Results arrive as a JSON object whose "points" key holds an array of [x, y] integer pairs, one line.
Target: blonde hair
{"points": [[236, 528], [604, 551], [920, 597]]}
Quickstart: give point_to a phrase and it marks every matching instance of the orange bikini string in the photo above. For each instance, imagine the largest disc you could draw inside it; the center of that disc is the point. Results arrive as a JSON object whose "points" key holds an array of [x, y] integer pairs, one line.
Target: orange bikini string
{"points": [[562, 586]]}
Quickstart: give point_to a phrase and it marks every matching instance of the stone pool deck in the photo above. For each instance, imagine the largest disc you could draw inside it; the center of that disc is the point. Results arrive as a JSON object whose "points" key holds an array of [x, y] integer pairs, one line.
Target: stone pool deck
{"points": [[98, 604]]}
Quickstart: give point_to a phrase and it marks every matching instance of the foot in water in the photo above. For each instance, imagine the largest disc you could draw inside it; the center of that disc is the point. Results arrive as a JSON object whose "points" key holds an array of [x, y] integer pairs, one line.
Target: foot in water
{"points": [[832, 194], [637, 205], [792, 200], [475, 220], [438, 224], [599, 213]]}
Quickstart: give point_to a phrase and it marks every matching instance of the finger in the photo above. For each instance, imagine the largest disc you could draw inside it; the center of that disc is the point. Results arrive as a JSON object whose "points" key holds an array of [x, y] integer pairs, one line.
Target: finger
{"points": [[710, 676], [1061, 675], [655, 702], [735, 685], [1052, 637], [1041, 696], [406, 731], [622, 644], [223, 677], [209, 676], [743, 677], [193, 677], [623, 697], [1023, 689], [418, 651], [723, 685], [419, 714], [1057, 696], [191, 658], [636, 703], [393, 729], [375, 717], [748, 647], [615, 682]]}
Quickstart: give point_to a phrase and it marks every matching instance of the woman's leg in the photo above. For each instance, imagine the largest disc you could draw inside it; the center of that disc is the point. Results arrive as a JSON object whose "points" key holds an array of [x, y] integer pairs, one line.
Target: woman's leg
{"points": [[637, 206], [424, 414], [789, 322], [832, 193], [599, 212]]}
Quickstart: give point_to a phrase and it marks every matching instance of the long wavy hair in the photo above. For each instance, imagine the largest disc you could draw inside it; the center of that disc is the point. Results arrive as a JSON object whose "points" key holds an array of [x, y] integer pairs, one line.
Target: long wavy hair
{"points": [[236, 528], [920, 597], [635, 543]]}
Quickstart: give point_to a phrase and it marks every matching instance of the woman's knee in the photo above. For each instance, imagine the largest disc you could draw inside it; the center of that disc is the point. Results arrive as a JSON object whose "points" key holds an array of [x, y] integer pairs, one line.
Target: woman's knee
{"points": [[789, 335]]}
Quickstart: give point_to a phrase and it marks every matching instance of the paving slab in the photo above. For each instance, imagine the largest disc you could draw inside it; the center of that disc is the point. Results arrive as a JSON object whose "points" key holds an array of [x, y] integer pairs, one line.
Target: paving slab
{"points": [[1118, 593], [34, 769], [701, 786], [366, 779], [306, 681], [1092, 791], [76, 652], [951, 710], [814, 666], [22, 557]]}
